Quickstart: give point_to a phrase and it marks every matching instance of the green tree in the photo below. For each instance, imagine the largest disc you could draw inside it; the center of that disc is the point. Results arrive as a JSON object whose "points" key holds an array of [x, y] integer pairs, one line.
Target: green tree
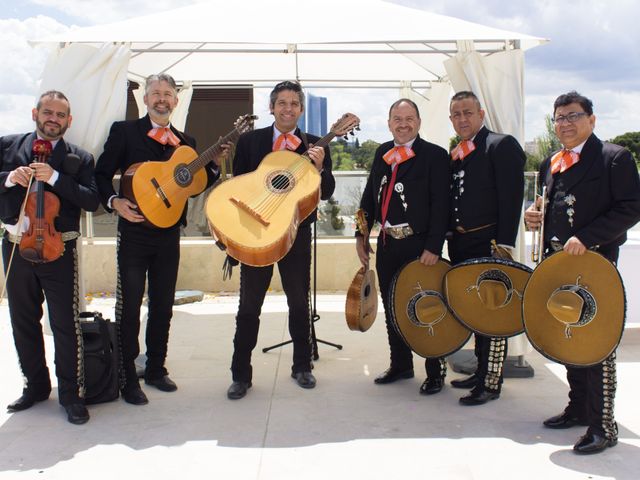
{"points": [[363, 156], [340, 157], [630, 140]]}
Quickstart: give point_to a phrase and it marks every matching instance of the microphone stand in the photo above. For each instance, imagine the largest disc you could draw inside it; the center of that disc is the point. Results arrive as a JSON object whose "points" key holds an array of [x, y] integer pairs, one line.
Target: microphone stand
{"points": [[312, 307]]}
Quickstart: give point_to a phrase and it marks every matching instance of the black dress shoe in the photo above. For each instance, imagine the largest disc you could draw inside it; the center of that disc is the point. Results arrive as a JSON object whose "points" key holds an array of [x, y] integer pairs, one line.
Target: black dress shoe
{"points": [[304, 379], [163, 383], [77, 413], [26, 401], [468, 382], [564, 420], [593, 443], [134, 396], [431, 386], [237, 390], [391, 375], [479, 397]]}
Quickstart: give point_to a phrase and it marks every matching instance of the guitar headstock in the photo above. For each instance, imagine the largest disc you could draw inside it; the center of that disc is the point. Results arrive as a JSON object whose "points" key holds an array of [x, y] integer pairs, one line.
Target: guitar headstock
{"points": [[346, 125], [244, 123], [361, 222]]}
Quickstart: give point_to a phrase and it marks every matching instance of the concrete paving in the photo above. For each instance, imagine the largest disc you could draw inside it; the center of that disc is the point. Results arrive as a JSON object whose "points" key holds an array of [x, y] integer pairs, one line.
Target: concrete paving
{"points": [[345, 428]]}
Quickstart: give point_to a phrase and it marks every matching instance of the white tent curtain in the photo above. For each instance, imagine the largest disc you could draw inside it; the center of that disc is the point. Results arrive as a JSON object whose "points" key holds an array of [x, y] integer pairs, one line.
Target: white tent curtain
{"points": [[497, 80], [95, 81], [434, 108]]}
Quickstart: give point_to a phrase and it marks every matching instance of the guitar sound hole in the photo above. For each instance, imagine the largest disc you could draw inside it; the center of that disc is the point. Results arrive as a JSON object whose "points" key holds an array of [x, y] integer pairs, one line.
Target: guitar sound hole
{"points": [[367, 290], [280, 181], [183, 175]]}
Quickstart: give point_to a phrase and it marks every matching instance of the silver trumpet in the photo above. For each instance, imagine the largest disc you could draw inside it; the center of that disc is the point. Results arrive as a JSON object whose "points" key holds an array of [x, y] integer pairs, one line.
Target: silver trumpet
{"points": [[537, 247]]}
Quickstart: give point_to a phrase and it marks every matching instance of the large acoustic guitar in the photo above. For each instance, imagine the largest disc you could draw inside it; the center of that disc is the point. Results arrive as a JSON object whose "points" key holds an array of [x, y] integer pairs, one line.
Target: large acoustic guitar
{"points": [[361, 306], [161, 189], [256, 215]]}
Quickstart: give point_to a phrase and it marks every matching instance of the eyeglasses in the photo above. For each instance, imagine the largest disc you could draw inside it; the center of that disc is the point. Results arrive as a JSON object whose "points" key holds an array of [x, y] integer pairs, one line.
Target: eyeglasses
{"points": [[570, 118]]}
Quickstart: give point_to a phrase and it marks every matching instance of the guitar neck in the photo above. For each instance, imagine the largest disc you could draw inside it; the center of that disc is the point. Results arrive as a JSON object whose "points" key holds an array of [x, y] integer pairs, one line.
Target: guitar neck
{"points": [[323, 142], [210, 153]]}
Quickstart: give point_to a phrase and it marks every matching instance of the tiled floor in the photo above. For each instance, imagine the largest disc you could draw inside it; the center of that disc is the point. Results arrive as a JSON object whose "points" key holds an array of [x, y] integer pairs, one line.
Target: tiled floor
{"points": [[346, 428]]}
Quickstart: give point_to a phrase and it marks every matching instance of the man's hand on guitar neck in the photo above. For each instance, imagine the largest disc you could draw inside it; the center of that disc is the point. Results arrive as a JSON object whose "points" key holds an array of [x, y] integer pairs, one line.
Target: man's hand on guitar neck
{"points": [[363, 248], [316, 154], [223, 154], [127, 210]]}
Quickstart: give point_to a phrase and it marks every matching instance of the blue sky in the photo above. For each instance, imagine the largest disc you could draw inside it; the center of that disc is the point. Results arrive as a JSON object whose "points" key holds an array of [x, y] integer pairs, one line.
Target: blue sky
{"points": [[594, 49]]}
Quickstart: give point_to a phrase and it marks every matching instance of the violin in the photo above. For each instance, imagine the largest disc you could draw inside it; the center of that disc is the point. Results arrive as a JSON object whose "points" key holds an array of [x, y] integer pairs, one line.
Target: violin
{"points": [[41, 243]]}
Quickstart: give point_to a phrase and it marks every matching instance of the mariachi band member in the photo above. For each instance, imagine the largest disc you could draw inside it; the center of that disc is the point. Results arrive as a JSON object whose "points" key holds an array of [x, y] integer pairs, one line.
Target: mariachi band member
{"points": [[286, 104], [593, 193], [407, 193], [144, 251], [486, 203], [67, 176]]}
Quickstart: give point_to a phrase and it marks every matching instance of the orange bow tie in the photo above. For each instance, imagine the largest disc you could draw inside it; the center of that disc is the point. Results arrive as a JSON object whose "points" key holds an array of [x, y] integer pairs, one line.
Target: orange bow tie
{"points": [[398, 155], [287, 141], [164, 135], [464, 148], [564, 160]]}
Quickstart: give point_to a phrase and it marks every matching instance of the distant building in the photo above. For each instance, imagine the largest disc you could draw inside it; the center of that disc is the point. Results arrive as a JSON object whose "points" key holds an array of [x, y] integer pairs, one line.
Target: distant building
{"points": [[314, 118]]}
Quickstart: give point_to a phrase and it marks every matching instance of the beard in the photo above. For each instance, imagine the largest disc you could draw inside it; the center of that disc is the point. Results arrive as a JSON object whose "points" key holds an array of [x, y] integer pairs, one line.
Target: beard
{"points": [[164, 111], [51, 130]]}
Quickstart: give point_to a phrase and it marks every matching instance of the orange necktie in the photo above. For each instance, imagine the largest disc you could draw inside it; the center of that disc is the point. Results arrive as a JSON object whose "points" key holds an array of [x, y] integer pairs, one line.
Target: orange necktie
{"points": [[287, 141], [564, 160], [464, 148], [164, 135], [398, 155]]}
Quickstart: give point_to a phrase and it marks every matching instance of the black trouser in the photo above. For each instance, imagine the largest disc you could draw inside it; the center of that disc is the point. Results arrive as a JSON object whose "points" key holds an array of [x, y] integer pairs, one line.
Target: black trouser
{"points": [[391, 256], [294, 268], [490, 351], [592, 390], [153, 255], [28, 284]]}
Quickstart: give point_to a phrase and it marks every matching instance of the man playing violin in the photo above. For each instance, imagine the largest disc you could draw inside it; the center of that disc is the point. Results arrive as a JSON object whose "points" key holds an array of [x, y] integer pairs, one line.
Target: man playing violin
{"points": [[407, 192], [286, 103], [66, 172], [143, 251]]}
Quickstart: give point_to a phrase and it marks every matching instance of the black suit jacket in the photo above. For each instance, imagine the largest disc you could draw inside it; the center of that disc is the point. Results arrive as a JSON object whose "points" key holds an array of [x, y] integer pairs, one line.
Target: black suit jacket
{"points": [[425, 186], [127, 144], [604, 190], [253, 146], [75, 187], [492, 188]]}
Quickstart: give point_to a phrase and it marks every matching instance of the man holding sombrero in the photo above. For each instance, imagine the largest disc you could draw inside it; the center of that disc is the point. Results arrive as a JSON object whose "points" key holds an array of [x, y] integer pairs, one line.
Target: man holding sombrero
{"points": [[487, 189], [593, 193], [407, 193]]}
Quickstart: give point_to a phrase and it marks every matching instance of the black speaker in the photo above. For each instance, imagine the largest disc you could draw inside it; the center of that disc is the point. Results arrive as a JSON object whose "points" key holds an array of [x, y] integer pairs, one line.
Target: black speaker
{"points": [[101, 358]]}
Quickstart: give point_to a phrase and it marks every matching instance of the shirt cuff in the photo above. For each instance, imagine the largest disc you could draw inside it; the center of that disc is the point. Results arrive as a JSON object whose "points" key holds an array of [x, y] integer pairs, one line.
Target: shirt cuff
{"points": [[54, 178], [110, 201]]}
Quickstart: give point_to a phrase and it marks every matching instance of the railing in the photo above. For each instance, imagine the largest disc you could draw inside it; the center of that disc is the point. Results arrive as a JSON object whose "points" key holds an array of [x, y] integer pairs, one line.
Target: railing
{"points": [[349, 188]]}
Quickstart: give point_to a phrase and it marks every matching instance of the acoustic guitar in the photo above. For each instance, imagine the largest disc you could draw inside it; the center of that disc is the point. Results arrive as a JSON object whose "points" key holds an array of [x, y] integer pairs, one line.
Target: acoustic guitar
{"points": [[256, 215], [161, 189], [362, 297]]}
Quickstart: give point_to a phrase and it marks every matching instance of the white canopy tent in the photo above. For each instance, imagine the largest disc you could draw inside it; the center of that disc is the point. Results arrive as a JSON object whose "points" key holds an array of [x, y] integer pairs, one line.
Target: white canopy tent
{"points": [[321, 43], [331, 43]]}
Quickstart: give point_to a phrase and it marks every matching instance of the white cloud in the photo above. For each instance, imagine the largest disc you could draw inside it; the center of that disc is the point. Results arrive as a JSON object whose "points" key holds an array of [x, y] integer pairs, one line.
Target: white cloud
{"points": [[21, 70]]}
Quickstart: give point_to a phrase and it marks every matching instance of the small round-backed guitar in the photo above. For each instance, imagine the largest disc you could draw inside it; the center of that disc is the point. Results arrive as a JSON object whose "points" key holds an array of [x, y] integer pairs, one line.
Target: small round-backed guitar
{"points": [[362, 297]]}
